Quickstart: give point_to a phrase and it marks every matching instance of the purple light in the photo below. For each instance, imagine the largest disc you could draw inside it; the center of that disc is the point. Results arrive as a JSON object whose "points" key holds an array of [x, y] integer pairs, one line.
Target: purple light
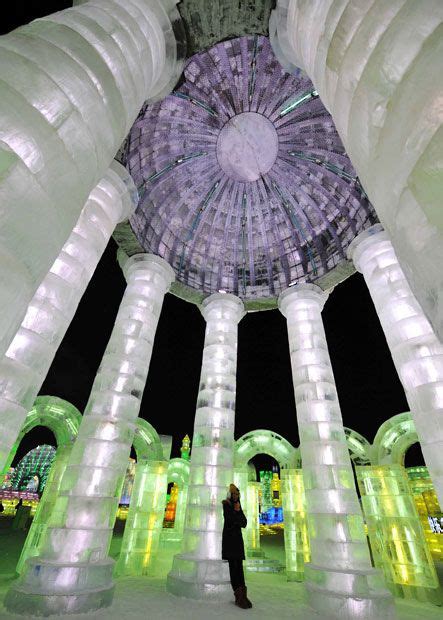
{"points": [[244, 182]]}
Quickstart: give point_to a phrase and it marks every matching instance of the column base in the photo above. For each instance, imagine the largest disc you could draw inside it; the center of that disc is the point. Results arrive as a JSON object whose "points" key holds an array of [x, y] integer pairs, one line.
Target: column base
{"points": [[348, 594], [49, 588], [199, 579]]}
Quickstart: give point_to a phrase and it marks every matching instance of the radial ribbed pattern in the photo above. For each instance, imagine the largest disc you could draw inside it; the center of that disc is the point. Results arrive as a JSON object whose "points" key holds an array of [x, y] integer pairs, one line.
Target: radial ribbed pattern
{"points": [[244, 183]]}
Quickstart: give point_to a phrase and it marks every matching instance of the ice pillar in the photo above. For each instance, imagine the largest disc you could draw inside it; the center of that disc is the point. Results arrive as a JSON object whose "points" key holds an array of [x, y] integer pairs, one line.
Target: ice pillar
{"points": [[296, 530], [72, 85], [397, 538], [30, 354], [199, 572], [339, 579], [253, 528], [45, 507], [415, 349], [145, 519], [73, 574], [377, 67]]}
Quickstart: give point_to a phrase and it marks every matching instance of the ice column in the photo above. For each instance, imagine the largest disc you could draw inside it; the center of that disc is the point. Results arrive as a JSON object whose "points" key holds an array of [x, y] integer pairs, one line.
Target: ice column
{"points": [[145, 519], [30, 354], [415, 349], [199, 572], [340, 580], [72, 85], [73, 574], [397, 538], [45, 507], [296, 531], [253, 528], [377, 67]]}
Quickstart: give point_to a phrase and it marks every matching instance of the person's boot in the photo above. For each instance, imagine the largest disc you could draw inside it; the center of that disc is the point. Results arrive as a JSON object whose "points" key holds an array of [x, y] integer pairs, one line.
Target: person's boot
{"points": [[240, 599], [248, 602]]}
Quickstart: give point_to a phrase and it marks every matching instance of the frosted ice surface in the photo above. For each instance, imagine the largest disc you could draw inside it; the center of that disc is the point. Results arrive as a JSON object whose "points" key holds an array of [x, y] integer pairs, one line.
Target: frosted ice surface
{"points": [[378, 72]]}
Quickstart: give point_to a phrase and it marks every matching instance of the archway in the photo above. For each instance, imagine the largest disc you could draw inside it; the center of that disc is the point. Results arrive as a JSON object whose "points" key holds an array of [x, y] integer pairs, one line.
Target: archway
{"points": [[360, 450], [178, 473], [144, 520], [393, 439], [267, 442], [56, 414]]}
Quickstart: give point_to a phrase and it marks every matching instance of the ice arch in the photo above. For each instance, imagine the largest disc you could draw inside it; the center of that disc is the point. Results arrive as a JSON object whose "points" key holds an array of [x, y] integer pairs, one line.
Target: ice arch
{"points": [[265, 442], [147, 444], [393, 439], [359, 447], [178, 472], [62, 418]]}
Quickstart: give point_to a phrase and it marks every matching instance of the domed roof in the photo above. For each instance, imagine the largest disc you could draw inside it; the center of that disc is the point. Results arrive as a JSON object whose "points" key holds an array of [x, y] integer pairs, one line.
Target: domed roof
{"points": [[244, 183]]}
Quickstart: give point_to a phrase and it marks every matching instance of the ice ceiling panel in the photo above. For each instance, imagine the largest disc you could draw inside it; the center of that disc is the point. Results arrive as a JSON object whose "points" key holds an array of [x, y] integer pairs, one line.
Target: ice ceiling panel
{"points": [[244, 182]]}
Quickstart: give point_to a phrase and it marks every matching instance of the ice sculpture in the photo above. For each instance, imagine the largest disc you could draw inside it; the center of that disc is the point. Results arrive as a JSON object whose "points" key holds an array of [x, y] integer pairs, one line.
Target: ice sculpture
{"points": [[377, 67], [198, 571], [178, 472], [145, 519], [397, 539], [415, 349], [45, 507], [73, 573], [50, 312], [252, 542], [340, 579], [72, 85], [296, 529]]}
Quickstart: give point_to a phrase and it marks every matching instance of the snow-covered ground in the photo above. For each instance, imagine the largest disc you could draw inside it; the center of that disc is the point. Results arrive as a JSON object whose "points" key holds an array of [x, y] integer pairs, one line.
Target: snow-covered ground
{"points": [[146, 598]]}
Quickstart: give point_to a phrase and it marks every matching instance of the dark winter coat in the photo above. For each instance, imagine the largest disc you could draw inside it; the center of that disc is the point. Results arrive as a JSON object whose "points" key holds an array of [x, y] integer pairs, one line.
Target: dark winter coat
{"points": [[232, 539]]}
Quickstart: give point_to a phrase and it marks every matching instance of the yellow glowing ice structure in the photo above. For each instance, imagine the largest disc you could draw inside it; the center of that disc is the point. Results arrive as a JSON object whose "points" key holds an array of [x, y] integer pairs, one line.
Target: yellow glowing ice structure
{"points": [[253, 527], [144, 523], [416, 351], [178, 473], [276, 490], [171, 507], [428, 506], [295, 523], [185, 448], [198, 571], [397, 540], [134, 558], [340, 569]]}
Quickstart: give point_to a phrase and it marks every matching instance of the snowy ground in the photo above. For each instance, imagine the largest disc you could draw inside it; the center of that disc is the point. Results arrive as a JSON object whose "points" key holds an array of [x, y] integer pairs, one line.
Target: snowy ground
{"points": [[273, 597]]}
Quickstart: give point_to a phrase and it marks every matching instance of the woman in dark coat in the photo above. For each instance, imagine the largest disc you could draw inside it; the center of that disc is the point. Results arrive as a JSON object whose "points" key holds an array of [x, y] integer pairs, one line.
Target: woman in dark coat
{"points": [[232, 545]]}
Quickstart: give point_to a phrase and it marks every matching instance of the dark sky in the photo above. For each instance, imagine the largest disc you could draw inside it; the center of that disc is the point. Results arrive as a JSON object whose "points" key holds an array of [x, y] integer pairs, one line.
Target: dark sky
{"points": [[367, 383]]}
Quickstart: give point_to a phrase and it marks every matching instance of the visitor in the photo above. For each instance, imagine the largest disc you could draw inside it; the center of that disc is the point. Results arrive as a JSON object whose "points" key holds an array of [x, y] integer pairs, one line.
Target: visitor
{"points": [[19, 504], [232, 545]]}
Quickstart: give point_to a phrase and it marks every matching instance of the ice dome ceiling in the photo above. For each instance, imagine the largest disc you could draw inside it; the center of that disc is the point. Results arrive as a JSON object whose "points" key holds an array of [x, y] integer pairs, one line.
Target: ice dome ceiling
{"points": [[244, 183]]}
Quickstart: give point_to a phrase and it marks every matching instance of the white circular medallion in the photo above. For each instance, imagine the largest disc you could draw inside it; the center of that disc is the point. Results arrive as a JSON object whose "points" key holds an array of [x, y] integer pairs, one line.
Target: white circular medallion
{"points": [[247, 146]]}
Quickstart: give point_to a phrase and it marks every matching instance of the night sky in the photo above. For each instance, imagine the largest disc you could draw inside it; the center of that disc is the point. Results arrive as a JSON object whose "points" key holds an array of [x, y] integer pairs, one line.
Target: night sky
{"points": [[367, 383]]}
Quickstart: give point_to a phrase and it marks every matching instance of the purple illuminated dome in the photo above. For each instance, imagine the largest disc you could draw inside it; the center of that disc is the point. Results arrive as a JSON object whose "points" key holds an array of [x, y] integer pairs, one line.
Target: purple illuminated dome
{"points": [[244, 183]]}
